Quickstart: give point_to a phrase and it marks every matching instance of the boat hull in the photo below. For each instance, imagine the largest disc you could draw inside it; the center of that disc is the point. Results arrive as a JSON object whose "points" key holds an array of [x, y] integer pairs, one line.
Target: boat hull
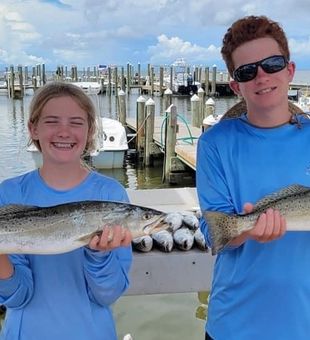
{"points": [[108, 159]]}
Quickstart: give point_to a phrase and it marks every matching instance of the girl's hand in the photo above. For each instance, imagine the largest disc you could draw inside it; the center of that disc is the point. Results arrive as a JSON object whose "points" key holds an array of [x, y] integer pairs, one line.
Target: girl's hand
{"points": [[111, 238]]}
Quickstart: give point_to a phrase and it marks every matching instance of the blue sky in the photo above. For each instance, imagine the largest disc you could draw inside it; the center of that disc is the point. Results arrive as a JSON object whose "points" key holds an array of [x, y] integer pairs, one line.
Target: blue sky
{"points": [[91, 32]]}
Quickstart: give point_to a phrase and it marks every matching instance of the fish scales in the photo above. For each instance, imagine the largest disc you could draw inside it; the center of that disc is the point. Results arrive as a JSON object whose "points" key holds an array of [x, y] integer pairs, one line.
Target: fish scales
{"points": [[69, 226], [293, 202]]}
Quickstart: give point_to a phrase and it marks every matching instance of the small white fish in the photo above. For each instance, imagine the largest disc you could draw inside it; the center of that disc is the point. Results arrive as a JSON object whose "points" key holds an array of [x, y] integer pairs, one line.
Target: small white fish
{"points": [[175, 220], [163, 240], [183, 238], [128, 337], [200, 240], [143, 243], [191, 221]]}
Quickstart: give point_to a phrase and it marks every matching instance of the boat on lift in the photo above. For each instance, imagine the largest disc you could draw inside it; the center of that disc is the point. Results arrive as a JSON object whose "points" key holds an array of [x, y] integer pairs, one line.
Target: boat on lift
{"points": [[183, 81]]}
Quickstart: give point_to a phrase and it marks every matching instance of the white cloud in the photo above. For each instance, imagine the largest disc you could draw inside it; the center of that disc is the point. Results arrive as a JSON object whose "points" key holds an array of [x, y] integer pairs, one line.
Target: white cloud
{"points": [[117, 31], [168, 49]]}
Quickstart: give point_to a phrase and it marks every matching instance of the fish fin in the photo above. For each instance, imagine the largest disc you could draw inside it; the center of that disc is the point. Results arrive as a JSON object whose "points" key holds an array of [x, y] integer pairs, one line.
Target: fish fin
{"points": [[275, 197], [222, 228], [16, 208]]}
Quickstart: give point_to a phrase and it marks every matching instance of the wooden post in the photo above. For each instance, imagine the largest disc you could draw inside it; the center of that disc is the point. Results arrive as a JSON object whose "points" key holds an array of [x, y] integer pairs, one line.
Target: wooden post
{"points": [[149, 131], [139, 74], [122, 107], [128, 79], [170, 139], [116, 81], [210, 117], [11, 82], [200, 74], [20, 81], [152, 81], [195, 102], [171, 78], [140, 127], [123, 79], [201, 94], [196, 74], [207, 81], [43, 74], [167, 99], [74, 75], [109, 81], [213, 84], [39, 74], [26, 75], [34, 79], [161, 81], [95, 73], [210, 107]]}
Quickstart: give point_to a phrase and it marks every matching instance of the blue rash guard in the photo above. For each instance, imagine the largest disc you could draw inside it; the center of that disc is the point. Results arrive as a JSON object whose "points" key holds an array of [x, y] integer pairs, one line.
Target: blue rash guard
{"points": [[259, 290], [65, 296]]}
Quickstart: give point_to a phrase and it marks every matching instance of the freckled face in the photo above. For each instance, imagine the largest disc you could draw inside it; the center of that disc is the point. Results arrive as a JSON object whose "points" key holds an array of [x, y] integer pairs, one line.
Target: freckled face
{"points": [[62, 130]]}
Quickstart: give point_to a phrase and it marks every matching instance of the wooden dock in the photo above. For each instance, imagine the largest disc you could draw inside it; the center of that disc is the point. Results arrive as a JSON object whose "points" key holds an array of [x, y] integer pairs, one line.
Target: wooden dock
{"points": [[187, 137]]}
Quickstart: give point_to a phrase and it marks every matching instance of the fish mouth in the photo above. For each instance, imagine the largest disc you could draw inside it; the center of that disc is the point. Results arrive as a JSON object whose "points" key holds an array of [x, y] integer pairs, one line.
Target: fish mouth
{"points": [[156, 225]]}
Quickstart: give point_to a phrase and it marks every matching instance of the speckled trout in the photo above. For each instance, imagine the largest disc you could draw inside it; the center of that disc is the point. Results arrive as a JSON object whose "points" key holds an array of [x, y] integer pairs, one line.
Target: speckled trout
{"points": [[62, 228], [293, 202]]}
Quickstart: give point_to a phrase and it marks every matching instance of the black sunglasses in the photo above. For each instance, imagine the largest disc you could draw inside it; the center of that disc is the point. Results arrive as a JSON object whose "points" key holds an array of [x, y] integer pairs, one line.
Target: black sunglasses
{"points": [[271, 64]]}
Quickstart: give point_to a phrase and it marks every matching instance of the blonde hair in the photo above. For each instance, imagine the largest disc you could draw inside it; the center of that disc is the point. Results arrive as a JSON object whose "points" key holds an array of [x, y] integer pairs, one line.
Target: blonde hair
{"points": [[61, 89]]}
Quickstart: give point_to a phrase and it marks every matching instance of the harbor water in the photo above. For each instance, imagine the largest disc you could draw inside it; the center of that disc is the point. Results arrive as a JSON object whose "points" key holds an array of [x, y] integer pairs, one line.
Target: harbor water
{"points": [[15, 159], [152, 317]]}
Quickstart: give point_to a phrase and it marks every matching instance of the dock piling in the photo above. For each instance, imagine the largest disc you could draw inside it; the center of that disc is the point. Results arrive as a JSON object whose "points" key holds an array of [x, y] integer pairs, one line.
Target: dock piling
{"points": [[170, 140], [195, 106], [122, 107], [149, 131], [140, 127]]}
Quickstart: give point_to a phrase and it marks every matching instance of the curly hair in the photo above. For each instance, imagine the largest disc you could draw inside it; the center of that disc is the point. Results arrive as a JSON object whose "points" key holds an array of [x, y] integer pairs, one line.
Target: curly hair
{"points": [[250, 28], [61, 89]]}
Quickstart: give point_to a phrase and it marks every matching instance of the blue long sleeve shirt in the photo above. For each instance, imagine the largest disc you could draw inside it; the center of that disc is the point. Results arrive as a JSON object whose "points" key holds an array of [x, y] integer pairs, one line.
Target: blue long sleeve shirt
{"points": [[259, 290], [65, 296]]}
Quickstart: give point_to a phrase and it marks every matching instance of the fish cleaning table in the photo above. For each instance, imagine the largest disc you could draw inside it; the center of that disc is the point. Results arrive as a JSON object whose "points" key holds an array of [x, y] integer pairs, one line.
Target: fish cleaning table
{"points": [[179, 271]]}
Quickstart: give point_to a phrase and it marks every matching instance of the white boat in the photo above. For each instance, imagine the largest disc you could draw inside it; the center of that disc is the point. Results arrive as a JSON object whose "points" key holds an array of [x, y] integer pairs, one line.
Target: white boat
{"points": [[182, 79], [304, 102], [300, 98], [89, 87], [111, 146]]}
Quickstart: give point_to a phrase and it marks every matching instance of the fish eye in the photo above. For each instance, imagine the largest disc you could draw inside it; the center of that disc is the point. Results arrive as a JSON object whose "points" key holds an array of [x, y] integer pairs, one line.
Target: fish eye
{"points": [[147, 216]]}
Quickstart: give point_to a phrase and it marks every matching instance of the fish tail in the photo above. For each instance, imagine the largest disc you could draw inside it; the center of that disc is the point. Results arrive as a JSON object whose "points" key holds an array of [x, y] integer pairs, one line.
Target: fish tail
{"points": [[222, 229]]}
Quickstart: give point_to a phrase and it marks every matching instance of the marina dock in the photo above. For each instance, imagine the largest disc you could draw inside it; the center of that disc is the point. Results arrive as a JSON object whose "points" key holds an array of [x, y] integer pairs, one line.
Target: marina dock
{"points": [[187, 137]]}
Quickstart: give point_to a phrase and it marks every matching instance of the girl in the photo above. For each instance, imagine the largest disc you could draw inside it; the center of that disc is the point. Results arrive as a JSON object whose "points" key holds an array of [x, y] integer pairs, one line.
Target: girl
{"points": [[65, 296]]}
